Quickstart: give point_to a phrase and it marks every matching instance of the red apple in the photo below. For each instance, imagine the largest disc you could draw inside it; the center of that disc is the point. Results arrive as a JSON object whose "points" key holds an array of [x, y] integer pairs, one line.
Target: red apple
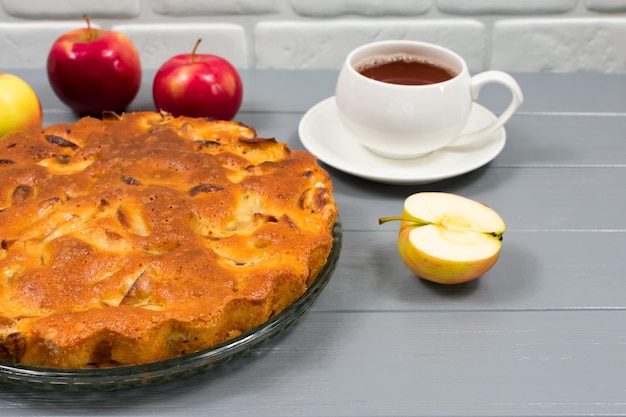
{"points": [[20, 107], [92, 70], [198, 85]]}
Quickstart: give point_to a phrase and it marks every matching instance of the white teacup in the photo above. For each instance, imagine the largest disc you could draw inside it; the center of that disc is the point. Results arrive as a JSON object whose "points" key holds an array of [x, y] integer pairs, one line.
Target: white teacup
{"points": [[409, 121]]}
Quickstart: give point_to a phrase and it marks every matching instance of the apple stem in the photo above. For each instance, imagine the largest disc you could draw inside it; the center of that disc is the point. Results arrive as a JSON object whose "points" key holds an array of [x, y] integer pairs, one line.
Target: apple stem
{"points": [[421, 222], [193, 53], [415, 220], [86, 17]]}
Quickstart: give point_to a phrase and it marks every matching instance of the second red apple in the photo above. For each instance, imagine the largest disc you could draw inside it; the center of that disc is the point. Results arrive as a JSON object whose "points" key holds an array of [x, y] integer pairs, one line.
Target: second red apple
{"points": [[198, 85]]}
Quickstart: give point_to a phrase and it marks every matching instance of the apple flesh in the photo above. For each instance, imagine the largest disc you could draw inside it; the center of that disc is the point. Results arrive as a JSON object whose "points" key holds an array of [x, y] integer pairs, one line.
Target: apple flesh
{"points": [[447, 238], [20, 107], [94, 70], [198, 85]]}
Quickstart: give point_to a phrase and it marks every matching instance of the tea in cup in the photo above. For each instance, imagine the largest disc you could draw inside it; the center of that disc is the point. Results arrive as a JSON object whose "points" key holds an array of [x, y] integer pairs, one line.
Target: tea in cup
{"points": [[405, 99]]}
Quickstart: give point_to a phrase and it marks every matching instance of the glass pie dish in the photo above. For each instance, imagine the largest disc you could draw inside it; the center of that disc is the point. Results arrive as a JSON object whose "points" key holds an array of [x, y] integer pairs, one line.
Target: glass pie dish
{"points": [[123, 377]]}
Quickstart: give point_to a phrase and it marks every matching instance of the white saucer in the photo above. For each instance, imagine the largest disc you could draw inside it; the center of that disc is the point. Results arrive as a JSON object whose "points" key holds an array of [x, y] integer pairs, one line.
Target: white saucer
{"points": [[322, 134]]}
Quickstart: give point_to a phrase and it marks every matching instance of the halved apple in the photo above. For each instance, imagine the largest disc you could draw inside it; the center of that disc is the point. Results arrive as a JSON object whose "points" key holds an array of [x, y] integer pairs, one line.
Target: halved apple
{"points": [[447, 238]]}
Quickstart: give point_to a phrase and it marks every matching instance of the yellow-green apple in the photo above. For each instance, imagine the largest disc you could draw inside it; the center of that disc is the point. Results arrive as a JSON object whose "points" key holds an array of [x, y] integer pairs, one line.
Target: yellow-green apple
{"points": [[20, 107], [447, 238], [198, 85], [93, 70]]}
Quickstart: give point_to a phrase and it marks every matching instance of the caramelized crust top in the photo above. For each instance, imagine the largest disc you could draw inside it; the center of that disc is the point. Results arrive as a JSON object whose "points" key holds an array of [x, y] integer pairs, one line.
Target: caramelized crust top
{"points": [[143, 236]]}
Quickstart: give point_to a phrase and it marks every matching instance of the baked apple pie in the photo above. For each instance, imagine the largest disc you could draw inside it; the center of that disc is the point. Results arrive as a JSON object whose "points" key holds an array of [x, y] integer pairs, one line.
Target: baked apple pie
{"points": [[142, 236]]}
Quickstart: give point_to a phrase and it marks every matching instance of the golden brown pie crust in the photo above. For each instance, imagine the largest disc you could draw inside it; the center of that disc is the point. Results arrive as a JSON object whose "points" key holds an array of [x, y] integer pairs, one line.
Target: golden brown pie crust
{"points": [[142, 237]]}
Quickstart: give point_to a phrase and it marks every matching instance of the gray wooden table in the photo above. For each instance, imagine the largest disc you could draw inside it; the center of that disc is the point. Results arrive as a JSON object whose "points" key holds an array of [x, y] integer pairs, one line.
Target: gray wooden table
{"points": [[542, 333]]}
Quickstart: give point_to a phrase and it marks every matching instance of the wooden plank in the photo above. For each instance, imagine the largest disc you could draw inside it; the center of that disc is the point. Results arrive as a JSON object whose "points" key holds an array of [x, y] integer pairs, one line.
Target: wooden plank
{"points": [[392, 364], [527, 199], [533, 140], [537, 140], [536, 271], [298, 90]]}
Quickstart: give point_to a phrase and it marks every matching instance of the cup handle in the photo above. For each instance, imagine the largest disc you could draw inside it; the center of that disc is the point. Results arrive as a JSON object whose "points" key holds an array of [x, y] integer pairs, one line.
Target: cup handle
{"points": [[476, 83]]}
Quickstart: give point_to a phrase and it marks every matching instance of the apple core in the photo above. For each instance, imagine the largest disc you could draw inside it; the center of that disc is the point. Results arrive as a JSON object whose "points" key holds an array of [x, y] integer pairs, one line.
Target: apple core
{"points": [[455, 221]]}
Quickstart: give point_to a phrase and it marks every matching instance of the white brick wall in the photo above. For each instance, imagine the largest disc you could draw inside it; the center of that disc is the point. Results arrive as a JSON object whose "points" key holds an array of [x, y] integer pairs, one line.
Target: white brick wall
{"points": [[514, 35], [324, 44]]}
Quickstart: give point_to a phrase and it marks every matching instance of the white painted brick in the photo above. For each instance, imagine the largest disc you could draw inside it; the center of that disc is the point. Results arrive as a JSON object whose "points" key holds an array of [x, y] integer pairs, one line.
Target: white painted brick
{"points": [[474, 7], [159, 42], [606, 6], [26, 44], [325, 44], [333, 8], [560, 45], [213, 7], [576, 35], [64, 9]]}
